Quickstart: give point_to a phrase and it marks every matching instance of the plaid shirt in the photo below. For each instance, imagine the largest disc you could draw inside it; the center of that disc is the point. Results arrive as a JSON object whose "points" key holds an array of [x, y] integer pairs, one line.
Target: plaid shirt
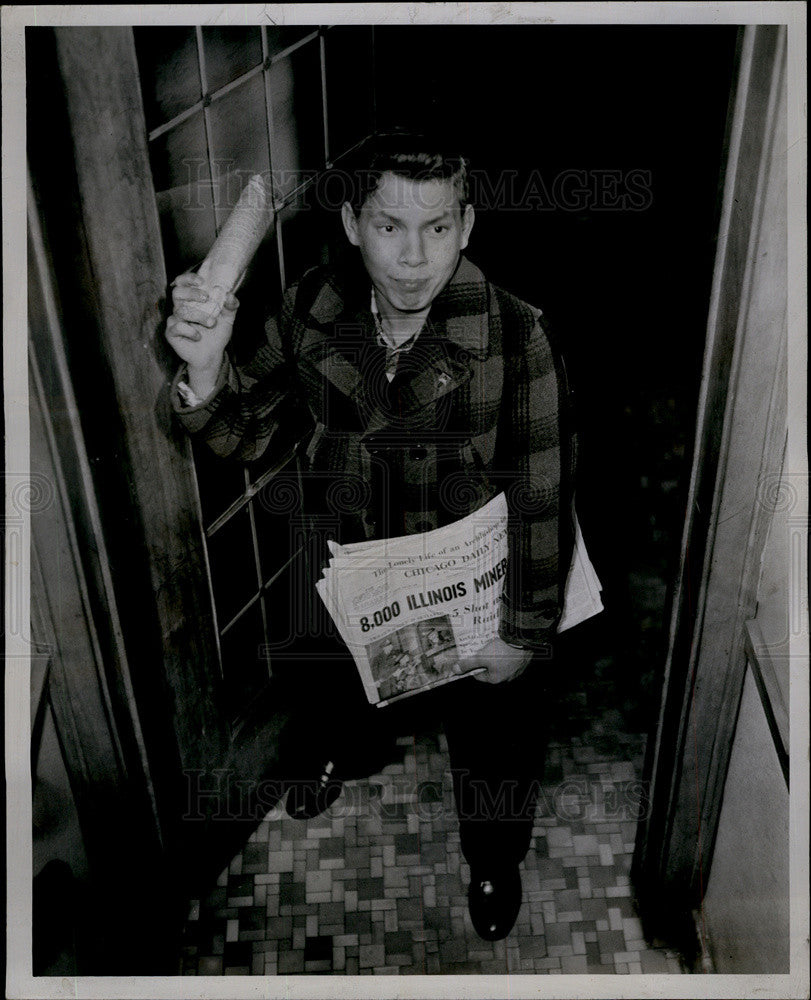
{"points": [[480, 404]]}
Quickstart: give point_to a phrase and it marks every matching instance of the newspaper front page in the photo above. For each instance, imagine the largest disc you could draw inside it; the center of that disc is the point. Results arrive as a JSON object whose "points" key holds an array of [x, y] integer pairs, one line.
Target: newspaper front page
{"points": [[412, 610]]}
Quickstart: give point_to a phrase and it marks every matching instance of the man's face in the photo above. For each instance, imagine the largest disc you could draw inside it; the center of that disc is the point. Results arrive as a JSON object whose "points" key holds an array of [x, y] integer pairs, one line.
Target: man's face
{"points": [[410, 235]]}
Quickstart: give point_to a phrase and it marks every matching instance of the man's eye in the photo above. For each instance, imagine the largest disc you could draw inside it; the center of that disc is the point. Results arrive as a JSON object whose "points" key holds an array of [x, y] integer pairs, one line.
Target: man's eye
{"points": [[440, 230], [386, 228]]}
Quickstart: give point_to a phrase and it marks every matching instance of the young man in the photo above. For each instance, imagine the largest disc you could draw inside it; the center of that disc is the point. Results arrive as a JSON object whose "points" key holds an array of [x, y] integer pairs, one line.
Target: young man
{"points": [[430, 390]]}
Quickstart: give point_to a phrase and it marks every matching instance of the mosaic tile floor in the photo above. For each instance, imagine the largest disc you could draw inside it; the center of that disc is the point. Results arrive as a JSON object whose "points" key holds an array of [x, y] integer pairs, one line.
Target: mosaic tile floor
{"points": [[377, 885]]}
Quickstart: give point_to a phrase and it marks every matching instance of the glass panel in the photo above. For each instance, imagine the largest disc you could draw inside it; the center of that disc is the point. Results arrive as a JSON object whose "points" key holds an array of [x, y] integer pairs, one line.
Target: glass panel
{"points": [[170, 75], [230, 52], [283, 38], [221, 481], [290, 604], [277, 510], [187, 230], [244, 661], [239, 143], [183, 189], [179, 157], [259, 297], [308, 235], [233, 570], [297, 143], [350, 75]]}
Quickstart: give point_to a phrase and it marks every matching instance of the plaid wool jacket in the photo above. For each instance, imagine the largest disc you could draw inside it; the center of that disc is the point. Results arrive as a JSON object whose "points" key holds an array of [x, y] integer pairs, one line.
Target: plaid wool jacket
{"points": [[480, 404]]}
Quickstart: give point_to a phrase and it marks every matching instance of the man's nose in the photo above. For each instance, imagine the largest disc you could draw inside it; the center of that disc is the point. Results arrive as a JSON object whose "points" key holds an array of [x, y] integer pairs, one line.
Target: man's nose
{"points": [[412, 251]]}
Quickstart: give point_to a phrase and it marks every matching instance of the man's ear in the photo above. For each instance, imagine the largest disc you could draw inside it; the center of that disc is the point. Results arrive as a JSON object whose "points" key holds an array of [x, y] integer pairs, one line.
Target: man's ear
{"points": [[350, 222], [468, 218]]}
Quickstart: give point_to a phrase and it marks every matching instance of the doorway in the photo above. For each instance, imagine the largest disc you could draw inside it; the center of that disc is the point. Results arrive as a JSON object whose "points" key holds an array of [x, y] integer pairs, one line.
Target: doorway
{"points": [[603, 212]]}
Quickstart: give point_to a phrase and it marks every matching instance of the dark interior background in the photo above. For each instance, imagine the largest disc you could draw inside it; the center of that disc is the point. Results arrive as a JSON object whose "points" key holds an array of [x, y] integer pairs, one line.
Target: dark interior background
{"points": [[626, 290]]}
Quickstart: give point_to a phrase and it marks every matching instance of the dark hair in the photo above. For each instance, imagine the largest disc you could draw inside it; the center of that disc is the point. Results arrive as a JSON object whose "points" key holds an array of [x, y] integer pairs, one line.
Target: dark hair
{"points": [[415, 155]]}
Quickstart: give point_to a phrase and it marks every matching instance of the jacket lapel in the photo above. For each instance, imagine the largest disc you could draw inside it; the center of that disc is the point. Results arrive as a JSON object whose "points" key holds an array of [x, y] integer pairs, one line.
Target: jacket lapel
{"points": [[334, 355], [427, 373], [338, 330]]}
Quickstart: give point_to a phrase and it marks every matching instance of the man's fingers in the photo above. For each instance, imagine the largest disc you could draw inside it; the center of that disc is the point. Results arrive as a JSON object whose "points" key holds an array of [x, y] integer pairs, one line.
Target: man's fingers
{"points": [[498, 669], [482, 669], [189, 293], [177, 328], [192, 312], [231, 302], [187, 279], [485, 677]]}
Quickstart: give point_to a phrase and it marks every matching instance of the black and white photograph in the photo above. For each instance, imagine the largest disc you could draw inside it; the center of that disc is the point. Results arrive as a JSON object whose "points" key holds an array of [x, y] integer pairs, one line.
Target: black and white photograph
{"points": [[291, 293], [413, 656]]}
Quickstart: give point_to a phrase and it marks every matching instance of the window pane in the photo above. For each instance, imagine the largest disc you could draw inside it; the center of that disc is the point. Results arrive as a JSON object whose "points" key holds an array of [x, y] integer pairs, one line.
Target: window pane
{"points": [[259, 297], [170, 75], [239, 142], [290, 602], [187, 229], [307, 235], [283, 38], [233, 571], [221, 481], [179, 157], [277, 510], [349, 68], [297, 143], [183, 188], [245, 664], [230, 52]]}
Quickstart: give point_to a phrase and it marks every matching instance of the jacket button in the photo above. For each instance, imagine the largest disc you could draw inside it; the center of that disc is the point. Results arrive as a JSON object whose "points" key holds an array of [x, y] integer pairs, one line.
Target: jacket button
{"points": [[418, 453]]}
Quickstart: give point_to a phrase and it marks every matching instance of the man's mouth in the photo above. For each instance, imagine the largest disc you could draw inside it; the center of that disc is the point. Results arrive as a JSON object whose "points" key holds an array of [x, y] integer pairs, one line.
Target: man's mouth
{"points": [[411, 284]]}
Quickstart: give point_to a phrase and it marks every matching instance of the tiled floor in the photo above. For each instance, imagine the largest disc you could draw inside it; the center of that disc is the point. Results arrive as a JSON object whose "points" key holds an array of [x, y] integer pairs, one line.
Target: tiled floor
{"points": [[377, 885]]}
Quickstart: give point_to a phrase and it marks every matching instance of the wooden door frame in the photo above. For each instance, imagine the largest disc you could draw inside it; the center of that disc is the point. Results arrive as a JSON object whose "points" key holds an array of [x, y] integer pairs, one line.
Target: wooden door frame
{"points": [[99, 288], [101, 231], [740, 432], [121, 574], [89, 683], [124, 253]]}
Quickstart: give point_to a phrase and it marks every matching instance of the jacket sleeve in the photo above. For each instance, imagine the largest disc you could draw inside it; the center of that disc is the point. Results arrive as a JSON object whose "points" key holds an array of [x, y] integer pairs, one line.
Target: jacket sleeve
{"points": [[537, 450], [241, 415]]}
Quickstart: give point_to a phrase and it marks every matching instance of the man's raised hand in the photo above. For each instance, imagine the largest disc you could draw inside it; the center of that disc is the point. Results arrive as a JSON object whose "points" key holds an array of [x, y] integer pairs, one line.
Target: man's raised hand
{"points": [[196, 337]]}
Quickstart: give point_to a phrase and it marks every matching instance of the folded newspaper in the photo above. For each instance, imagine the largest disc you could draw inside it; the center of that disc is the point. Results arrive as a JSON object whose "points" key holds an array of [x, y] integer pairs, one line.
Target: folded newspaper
{"points": [[412, 610]]}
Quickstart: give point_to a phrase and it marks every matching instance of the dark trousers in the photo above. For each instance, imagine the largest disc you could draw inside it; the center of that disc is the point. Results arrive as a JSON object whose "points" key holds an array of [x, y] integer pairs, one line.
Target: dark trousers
{"points": [[497, 736]]}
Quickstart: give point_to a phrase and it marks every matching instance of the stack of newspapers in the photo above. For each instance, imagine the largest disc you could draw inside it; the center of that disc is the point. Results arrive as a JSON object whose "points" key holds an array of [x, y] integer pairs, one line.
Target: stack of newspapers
{"points": [[413, 610]]}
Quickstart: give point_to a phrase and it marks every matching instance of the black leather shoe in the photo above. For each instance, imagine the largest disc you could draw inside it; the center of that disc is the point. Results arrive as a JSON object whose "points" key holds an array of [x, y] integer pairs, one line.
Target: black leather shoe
{"points": [[307, 799], [494, 899]]}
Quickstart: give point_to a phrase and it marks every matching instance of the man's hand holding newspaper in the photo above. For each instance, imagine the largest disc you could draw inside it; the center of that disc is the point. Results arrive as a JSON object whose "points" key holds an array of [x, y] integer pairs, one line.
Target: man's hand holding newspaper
{"points": [[502, 662]]}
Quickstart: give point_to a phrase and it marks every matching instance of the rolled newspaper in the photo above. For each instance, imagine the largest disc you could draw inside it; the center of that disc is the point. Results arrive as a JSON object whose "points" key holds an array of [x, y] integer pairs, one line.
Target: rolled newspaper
{"points": [[236, 244]]}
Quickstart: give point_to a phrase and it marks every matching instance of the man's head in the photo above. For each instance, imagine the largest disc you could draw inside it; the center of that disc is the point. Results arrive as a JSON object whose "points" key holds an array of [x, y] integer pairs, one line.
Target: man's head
{"points": [[410, 219]]}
